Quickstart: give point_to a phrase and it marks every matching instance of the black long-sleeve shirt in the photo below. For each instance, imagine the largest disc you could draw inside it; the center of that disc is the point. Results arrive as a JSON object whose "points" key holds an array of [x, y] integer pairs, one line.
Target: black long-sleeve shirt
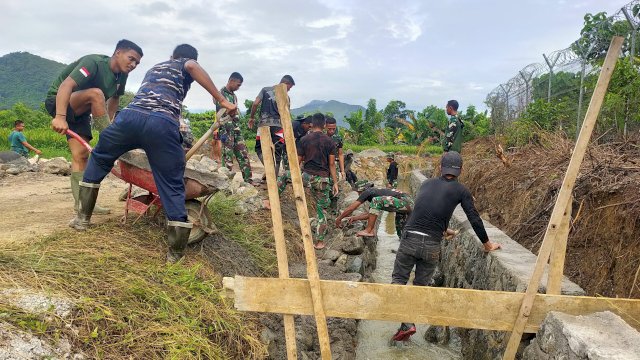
{"points": [[434, 205]]}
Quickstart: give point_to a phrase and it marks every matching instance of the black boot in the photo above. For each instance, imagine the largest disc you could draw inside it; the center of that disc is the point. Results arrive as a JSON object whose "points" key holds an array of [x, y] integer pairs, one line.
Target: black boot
{"points": [[177, 237], [87, 194]]}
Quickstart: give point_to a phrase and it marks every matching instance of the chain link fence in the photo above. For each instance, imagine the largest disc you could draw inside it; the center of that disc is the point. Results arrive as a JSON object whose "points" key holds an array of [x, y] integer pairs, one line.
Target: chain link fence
{"points": [[565, 77]]}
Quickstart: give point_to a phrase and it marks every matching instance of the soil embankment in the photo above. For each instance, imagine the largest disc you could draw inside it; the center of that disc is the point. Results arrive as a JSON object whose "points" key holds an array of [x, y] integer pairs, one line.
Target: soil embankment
{"points": [[604, 242]]}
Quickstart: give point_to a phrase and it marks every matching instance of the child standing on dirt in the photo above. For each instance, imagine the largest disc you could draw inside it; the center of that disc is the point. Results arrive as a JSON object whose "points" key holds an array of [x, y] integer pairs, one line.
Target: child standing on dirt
{"points": [[317, 150], [18, 141], [151, 122]]}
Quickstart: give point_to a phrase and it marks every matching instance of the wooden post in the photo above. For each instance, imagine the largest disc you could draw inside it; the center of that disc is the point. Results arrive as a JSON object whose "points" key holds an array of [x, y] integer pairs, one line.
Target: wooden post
{"points": [[564, 195], [556, 262], [282, 100], [278, 231]]}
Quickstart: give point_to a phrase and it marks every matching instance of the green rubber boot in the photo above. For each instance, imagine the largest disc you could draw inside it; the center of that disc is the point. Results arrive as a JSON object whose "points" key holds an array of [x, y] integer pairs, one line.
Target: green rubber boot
{"points": [[177, 237], [88, 193], [76, 177]]}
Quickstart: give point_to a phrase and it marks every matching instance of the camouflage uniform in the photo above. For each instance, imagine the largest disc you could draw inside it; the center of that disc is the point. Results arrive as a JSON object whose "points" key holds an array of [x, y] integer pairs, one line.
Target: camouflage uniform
{"points": [[393, 204], [337, 139], [321, 192], [232, 141], [453, 135]]}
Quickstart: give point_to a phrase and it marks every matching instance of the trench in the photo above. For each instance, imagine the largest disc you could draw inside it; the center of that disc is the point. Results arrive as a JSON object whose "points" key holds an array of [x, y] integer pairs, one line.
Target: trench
{"points": [[373, 335]]}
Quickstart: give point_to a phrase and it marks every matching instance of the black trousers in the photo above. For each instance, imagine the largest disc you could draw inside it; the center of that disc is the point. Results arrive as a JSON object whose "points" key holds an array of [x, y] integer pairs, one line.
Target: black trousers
{"points": [[421, 251]]}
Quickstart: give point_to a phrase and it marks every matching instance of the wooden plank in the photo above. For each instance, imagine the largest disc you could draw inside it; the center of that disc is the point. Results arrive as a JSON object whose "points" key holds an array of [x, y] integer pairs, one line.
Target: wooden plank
{"points": [[278, 231], [477, 309], [556, 262], [282, 99], [563, 196]]}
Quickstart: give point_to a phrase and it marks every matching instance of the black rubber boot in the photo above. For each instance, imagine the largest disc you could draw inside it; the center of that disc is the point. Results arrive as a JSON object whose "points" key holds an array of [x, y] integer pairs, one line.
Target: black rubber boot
{"points": [[87, 195], [177, 237]]}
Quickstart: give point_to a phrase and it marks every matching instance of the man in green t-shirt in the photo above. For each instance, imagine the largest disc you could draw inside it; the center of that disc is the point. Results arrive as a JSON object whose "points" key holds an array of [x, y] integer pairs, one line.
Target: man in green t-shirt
{"points": [[18, 141], [90, 87]]}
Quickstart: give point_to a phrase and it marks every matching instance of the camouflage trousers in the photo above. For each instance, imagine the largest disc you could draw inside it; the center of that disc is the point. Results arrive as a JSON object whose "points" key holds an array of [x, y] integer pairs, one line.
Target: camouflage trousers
{"points": [[392, 204], [321, 192], [233, 146]]}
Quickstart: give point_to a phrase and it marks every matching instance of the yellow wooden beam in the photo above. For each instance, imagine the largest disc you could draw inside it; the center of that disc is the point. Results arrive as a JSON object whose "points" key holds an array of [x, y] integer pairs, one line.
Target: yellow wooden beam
{"points": [[476, 309]]}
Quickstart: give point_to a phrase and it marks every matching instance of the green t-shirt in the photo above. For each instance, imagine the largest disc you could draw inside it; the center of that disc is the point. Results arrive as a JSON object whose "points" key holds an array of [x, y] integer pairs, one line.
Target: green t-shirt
{"points": [[16, 138], [92, 71]]}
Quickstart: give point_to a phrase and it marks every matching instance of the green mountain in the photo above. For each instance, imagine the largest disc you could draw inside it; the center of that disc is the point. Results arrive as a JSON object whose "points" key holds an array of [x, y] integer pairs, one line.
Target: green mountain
{"points": [[25, 78], [337, 108]]}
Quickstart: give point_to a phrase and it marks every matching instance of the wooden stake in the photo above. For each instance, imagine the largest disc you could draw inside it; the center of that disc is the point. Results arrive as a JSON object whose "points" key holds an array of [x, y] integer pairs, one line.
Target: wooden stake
{"points": [[278, 231], [466, 308], [556, 262], [282, 100], [564, 194]]}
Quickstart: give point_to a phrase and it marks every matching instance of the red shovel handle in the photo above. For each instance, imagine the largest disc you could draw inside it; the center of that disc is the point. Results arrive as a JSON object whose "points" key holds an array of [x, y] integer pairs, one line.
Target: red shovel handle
{"points": [[80, 139]]}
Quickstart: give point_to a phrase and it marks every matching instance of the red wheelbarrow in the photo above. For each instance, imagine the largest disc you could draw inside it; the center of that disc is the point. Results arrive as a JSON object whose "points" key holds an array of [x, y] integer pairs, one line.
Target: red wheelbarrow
{"points": [[135, 170]]}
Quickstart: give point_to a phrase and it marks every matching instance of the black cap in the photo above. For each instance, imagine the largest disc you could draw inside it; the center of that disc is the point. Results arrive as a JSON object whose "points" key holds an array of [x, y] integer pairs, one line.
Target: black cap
{"points": [[451, 163]]}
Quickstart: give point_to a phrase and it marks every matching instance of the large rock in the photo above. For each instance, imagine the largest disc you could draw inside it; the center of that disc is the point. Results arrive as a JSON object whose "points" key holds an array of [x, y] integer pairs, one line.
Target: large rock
{"points": [[17, 344], [353, 245], [9, 156], [37, 303], [370, 153], [601, 336], [56, 166]]}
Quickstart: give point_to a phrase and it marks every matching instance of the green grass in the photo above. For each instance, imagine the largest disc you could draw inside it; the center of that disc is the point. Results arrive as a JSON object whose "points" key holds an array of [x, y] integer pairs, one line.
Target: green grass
{"points": [[402, 149], [129, 303]]}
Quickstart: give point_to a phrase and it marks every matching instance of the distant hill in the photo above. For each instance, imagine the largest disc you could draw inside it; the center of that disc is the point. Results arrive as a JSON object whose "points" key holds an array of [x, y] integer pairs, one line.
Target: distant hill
{"points": [[25, 78], [337, 108]]}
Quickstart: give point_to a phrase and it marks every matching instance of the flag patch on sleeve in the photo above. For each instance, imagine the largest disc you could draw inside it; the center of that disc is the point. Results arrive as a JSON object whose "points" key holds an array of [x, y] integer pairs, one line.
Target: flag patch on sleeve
{"points": [[84, 71]]}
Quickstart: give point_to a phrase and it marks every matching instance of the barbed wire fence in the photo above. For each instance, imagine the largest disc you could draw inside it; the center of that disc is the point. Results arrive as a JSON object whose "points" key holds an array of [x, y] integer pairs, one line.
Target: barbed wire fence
{"points": [[508, 100]]}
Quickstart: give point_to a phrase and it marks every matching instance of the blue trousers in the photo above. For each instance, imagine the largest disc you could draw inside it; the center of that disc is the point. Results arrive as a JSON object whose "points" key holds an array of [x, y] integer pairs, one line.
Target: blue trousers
{"points": [[159, 136]]}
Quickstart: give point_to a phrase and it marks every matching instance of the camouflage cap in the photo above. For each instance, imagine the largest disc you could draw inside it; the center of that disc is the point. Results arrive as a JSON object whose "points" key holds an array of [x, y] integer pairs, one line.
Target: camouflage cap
{"points": [[362, 185], [391, 155]]}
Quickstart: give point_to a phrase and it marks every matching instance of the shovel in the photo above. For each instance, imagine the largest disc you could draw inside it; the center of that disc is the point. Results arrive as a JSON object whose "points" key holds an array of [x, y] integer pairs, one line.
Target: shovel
{"points": [[215, 126]]}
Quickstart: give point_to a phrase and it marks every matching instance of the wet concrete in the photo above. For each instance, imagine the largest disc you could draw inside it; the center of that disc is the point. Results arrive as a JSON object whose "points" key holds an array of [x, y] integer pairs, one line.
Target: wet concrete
{"points": [[373, 335]]}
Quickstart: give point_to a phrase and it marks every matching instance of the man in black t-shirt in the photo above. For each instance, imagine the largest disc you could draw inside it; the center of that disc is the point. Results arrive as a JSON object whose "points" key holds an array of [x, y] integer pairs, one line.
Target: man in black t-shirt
{"points": [[420, 242], [317, 150], [379, 200], [392, 171]]}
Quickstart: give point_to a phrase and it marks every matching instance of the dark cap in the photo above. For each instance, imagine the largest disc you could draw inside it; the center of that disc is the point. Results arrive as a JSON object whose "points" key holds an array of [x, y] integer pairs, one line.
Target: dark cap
{"points": [[451, 163], [289, 79]]}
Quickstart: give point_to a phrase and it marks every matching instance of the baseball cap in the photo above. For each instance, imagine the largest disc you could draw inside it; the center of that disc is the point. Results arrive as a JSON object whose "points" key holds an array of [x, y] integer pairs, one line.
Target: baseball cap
{"points": [[451, 163]]}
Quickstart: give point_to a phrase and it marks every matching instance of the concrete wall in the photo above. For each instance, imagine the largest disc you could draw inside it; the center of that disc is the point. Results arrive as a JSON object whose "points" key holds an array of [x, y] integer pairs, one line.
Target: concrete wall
{"points": [[465, 265], [602, 335]]}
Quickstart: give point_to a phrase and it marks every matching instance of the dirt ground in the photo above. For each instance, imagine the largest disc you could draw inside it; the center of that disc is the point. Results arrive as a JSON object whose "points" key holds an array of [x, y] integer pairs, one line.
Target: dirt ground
{"points": [[35, 204]]}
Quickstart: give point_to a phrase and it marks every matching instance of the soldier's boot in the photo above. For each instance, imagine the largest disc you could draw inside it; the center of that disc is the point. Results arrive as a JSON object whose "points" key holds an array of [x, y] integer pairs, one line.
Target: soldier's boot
{"points": [[177, 237], [87, 194], [76, 178]]}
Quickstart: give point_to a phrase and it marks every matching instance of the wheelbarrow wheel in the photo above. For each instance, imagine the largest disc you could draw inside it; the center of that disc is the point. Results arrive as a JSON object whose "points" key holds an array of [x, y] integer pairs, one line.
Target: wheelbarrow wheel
{"points": [[202, 222]]}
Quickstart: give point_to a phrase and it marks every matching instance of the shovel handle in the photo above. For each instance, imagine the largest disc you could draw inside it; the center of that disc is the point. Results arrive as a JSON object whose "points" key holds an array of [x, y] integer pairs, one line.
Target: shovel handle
{"points": [[80, 139], [203, 138]]}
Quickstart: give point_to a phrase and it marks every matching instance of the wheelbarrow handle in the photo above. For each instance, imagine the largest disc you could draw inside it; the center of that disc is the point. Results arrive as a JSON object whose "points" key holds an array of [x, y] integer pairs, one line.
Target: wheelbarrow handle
{"points": [[80, 139], [221, 120]]}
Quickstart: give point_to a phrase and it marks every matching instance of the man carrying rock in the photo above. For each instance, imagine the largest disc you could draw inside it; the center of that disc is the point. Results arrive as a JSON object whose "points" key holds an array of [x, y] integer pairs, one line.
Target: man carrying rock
{"points": [[150, 122], [90, 87], [18, 141], [230, 134], [379, 200], [317, 150], [420, 242]]}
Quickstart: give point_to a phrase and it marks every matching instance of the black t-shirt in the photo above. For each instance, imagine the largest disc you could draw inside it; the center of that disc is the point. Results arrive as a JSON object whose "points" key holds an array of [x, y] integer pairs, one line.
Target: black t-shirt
{"points": [[315, 148], [370, 193], [434, 205], [298, 130]]}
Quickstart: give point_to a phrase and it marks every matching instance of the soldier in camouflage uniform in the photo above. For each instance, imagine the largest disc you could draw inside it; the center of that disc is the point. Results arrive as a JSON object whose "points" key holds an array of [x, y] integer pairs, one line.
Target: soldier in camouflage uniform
{"points": [[379, 200], [317, 150], [229, 133], [453, 134]]}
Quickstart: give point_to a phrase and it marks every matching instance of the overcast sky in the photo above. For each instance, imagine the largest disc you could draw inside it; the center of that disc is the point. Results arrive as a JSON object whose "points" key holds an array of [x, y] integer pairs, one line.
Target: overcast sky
{"points": [[420, 52]]}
